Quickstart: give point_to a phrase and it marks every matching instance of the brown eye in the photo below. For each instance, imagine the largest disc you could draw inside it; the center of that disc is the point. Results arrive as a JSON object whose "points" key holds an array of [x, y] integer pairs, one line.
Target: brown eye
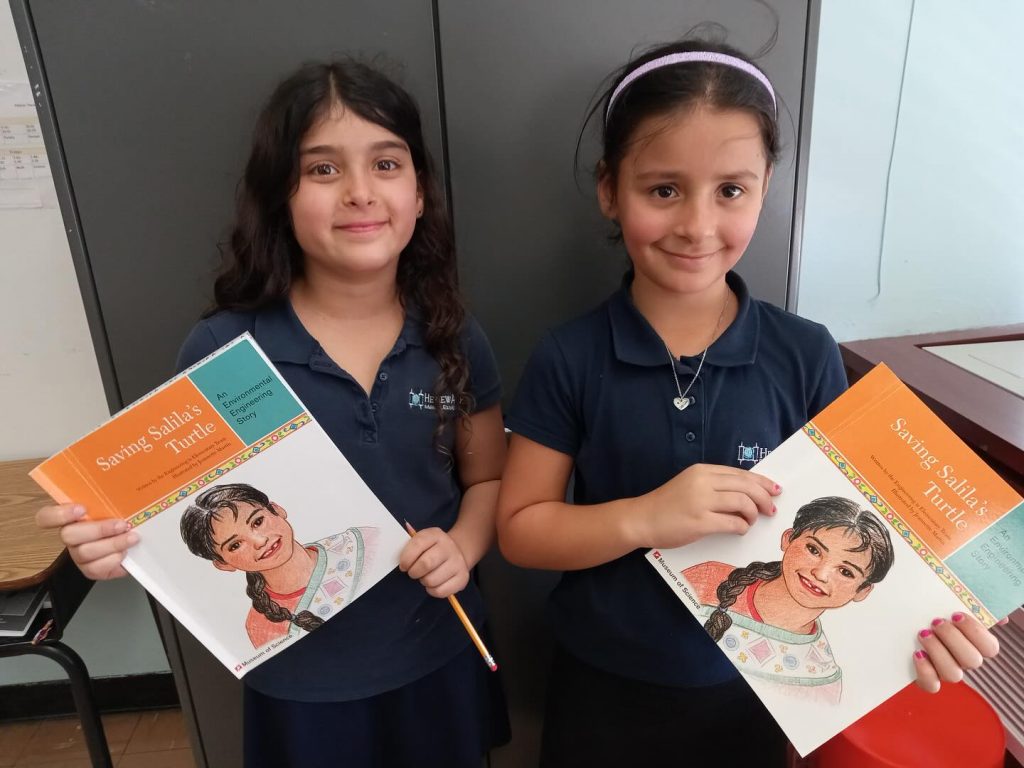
{"points": [[258, 521], [323, 169], [732, 191], [387, 165], [233, 546], [813, 549]]}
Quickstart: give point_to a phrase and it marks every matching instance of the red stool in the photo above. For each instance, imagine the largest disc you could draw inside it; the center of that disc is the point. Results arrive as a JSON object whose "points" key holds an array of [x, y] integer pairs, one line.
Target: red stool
{"points": [[953, 728]]}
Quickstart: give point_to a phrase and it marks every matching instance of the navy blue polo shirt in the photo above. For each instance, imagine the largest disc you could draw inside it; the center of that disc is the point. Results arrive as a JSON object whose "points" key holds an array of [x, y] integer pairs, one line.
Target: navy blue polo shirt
{"points": [[396, 632], [600, 389]]}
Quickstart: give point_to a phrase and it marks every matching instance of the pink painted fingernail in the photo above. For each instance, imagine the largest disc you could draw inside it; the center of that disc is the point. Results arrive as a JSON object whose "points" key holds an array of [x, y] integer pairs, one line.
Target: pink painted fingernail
{"points": [[925, 633], [778, 488], [936, 622], [958, 616], [920, 655], [78, 511], [774, 509]]}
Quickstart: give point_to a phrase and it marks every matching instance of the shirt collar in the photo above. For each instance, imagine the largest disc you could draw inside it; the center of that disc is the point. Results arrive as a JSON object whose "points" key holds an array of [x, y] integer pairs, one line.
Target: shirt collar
{"points": [[636, 342], [284, 339]]}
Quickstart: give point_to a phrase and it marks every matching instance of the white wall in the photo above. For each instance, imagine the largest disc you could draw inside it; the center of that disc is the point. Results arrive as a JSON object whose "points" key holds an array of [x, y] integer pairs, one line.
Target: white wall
{"points": [[52, 394], [953, 255], [47, 364]]}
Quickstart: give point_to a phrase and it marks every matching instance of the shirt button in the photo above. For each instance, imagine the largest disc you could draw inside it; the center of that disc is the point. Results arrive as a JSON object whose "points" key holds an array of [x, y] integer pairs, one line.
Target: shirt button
{"points": [[374, 406], [690, 437], [383, 375]]}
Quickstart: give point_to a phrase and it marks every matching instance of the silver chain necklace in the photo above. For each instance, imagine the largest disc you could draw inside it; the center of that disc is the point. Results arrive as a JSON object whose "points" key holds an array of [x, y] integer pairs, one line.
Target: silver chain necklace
{"points": [[682, 402]]}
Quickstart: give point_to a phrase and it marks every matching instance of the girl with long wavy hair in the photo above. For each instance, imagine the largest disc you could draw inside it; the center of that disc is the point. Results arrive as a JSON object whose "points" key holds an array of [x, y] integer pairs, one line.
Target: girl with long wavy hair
{"points": [[342, 267]]}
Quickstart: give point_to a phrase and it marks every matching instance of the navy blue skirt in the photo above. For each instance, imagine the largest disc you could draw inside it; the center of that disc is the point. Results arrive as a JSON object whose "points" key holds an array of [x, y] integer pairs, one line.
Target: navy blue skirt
{"points": [[449, 719]]}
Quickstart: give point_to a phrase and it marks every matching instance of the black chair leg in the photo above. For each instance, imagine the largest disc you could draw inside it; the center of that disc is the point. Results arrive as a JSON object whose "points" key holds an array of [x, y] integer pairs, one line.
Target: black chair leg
{"points": [[81, 690]]}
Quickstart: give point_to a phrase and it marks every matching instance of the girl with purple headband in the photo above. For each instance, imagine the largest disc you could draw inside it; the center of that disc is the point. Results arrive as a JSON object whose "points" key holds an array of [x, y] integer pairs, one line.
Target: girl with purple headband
{"points": [[651, 403]]}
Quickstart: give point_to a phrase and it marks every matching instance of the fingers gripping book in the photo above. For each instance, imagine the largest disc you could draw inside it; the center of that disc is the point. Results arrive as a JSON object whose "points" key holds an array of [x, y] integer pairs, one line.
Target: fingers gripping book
{"points": [[253, 527], [886, 521]]}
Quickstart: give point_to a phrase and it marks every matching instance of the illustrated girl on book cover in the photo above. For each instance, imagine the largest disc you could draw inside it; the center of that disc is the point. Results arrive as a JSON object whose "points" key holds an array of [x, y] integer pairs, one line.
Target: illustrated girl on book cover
{"points": [[766, 617], [292, 586]]}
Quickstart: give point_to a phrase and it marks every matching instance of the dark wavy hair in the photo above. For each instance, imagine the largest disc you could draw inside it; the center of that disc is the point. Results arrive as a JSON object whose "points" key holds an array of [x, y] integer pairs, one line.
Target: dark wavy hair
{"points": [[197, 532], [827, 512], [263, 258]]}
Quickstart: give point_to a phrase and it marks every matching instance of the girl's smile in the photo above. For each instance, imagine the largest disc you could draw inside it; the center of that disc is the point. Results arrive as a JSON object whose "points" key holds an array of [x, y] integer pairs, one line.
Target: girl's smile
{"points": [[826, 568], [694, 261], [810, 587], [362, 227], [254, 539], [687, 196], [271, 550], [358, 197]]}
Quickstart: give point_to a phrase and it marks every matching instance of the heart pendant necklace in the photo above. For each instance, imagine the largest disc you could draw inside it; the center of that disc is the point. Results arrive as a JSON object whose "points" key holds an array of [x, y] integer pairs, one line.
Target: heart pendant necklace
{"points": [[683, 401]]}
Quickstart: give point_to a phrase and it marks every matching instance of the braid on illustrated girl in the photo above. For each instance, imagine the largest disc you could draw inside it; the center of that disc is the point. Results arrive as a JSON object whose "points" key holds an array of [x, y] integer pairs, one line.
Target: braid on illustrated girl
{"points": [[827, 513], [263, 259], [256, 589], [197, 533], [733, 587]]}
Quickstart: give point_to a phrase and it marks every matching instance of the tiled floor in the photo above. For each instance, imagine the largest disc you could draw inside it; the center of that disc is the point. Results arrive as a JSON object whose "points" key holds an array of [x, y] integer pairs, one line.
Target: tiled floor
{"points": [[154, 739]]}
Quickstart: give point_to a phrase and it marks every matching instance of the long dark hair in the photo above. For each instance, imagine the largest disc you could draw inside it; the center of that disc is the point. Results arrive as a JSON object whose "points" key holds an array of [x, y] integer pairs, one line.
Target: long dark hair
{"points": [[263, 258], [827, 512], [197, 532], [676, 88]]}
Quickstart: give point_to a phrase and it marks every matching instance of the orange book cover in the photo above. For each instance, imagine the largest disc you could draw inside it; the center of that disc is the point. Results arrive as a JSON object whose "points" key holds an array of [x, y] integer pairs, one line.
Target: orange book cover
{"points": [[231, 484], [886, 521]]}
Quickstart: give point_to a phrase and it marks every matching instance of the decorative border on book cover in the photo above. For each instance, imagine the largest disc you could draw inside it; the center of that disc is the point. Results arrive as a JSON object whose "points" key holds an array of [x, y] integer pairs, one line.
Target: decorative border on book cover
{"points": [[237, 460], [948, 577]]}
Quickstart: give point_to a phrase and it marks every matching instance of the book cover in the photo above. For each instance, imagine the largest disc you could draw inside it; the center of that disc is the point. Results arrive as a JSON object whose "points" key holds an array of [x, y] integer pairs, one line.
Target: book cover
{"points": [[253, 527], [886, 521]]}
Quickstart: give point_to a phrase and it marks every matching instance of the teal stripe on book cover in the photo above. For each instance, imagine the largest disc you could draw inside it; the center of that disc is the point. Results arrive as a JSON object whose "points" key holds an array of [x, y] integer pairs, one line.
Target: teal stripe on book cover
{"points": [[991, 564], [246, 391]]}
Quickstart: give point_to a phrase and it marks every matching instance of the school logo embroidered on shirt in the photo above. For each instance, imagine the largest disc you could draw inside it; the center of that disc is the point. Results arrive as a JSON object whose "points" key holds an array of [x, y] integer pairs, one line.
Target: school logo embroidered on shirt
{"points": [[750, 453], [426, 400]]}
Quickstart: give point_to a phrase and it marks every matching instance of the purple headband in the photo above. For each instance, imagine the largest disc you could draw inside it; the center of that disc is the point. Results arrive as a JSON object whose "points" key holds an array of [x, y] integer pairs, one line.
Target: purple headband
{"points": [[684, 58]]}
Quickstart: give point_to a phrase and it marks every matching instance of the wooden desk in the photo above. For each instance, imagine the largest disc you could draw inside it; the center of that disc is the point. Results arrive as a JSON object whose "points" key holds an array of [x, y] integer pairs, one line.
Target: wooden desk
{"points": [[30, 557], [984, 415]]}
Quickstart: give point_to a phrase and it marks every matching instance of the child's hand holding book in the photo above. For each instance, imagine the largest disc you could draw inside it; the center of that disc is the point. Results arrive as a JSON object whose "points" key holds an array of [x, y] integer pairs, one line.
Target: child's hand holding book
{"points": [[96, 546], [949, 647]]}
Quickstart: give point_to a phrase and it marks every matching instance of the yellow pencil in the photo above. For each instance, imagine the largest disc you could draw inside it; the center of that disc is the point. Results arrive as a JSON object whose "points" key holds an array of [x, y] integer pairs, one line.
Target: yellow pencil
{"points": [[473, 634]]}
